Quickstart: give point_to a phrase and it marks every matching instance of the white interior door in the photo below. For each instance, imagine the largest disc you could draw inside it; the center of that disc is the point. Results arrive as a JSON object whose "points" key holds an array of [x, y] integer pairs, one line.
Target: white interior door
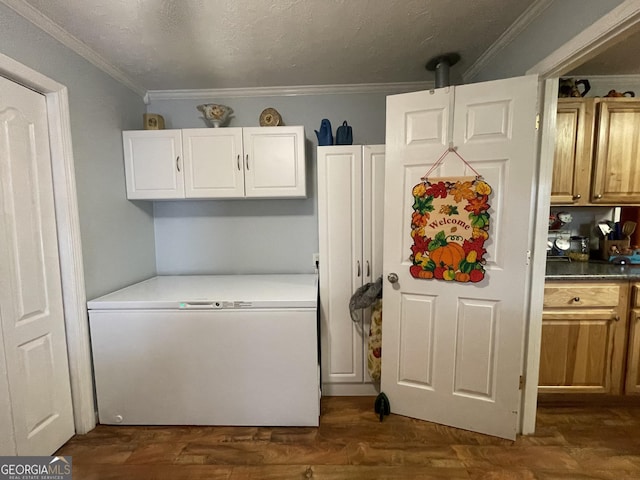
{"points": [[34, 349], [452, 352]]}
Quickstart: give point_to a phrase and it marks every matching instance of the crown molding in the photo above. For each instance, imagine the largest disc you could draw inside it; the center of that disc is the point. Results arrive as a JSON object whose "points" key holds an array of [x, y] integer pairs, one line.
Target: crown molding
{"points": [[515, 29], [48, 26], [388, 88]]}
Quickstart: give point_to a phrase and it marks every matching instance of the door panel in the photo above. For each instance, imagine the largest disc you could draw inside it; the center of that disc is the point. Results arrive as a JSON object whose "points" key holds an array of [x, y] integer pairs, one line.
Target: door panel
{"points": [[32, 325], [453, 351], [416, 341], [426, 126], [476, 348]]}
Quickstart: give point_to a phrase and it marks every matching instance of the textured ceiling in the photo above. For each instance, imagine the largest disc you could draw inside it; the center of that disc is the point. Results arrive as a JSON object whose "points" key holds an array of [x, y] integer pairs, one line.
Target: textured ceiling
{"points": [[198, 44]]}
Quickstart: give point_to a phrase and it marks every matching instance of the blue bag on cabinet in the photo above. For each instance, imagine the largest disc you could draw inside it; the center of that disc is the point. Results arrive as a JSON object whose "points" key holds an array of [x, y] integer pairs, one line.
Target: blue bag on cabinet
{"points": [[344, 134], [325, 136]]}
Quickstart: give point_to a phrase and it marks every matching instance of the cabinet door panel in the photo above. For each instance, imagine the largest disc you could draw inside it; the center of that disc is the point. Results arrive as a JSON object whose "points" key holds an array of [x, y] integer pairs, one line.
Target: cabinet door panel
{"points": [[274, 162], [153, 164], [340, 228], [213, 163], [577, 351], [632, 384], [616, 175], [574, 133], [372, 227]]}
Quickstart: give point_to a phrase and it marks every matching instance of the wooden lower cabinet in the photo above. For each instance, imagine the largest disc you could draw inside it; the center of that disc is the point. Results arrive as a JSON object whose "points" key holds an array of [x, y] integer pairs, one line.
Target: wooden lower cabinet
{"points": [[584, 333], [632, 378]]}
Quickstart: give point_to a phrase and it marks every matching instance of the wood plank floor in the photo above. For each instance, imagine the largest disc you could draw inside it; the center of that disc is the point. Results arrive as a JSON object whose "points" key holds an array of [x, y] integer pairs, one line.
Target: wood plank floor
{"points": [[579, 442]]}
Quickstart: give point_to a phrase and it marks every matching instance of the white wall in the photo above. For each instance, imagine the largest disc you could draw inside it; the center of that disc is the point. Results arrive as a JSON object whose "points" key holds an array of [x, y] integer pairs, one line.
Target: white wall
{"points": [[117, 235], [256, 236], [559, 23]]}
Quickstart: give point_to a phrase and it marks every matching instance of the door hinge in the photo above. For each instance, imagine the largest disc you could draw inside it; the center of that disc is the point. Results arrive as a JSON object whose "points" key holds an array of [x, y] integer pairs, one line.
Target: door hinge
{"points": [[521, 382], [537, 121], [528, 257]]}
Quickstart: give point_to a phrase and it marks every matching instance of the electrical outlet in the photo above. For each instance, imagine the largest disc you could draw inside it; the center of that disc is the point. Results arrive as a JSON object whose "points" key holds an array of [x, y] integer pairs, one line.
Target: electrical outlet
{"points": [[316, 260]]}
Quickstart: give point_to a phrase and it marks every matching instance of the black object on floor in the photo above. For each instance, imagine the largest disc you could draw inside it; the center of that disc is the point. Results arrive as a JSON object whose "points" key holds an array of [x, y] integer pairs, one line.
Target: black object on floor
{"points": [[382, 405]]}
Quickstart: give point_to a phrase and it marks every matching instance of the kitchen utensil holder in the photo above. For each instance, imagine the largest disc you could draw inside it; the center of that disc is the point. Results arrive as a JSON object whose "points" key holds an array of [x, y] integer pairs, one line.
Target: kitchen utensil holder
{"points": [[606, 244]]}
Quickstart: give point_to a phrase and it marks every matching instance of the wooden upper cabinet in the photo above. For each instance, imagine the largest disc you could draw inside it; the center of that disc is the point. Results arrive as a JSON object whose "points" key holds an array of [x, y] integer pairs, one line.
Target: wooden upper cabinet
{"points": [[616, 172], [572, 161]]}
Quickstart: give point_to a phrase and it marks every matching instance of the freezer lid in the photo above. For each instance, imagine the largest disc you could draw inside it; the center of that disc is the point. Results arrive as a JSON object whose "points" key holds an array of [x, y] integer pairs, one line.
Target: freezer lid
{"points": [[214, 292]]}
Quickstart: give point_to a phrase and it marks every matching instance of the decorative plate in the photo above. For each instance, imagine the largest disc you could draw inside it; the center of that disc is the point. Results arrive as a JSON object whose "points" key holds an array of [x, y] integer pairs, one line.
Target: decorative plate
{"points": [[270, 118]]}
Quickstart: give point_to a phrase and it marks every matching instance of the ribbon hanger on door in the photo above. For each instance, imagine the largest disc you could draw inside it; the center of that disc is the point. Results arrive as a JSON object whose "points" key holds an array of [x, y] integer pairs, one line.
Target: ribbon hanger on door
{"points": [[441, 160]]}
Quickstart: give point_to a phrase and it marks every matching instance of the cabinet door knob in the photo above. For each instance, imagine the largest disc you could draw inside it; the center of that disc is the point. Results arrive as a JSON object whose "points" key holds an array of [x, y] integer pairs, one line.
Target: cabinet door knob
{"points": [[577, 196], [576, 299], [599, 196], [392, 277], [617, 318]]}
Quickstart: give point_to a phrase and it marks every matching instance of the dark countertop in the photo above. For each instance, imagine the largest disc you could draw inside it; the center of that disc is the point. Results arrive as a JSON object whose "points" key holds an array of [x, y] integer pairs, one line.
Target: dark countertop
{"points": [[589, 271]]}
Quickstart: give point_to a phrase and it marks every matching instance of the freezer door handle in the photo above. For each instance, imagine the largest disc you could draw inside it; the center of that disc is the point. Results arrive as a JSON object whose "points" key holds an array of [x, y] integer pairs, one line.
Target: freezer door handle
{"points": [[200, 305]]}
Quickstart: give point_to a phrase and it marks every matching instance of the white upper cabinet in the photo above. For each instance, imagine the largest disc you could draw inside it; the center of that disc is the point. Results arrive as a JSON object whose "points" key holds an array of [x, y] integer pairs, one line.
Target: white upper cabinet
{"points": [[153, 164], [256, 162], [213, 162], [274, 162]]}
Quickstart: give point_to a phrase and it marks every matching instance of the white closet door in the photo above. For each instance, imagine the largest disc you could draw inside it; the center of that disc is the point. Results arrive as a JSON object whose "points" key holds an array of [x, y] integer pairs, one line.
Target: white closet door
{"points": [[31, 313]]}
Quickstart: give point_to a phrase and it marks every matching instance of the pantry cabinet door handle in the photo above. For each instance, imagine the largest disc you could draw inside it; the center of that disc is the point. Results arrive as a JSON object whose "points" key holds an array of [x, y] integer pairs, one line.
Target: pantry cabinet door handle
{"points": [[238, 160], [178, 162], [358, 262], [246, 160], [368, 269]]}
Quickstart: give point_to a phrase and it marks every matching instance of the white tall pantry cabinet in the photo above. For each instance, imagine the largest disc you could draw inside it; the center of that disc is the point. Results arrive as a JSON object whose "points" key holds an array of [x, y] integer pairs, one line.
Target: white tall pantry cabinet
{"points": [[350, 207]]}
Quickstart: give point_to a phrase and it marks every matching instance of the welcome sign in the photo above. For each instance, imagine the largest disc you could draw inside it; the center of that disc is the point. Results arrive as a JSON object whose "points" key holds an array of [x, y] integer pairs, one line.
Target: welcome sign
{"points": [[449, 227]]}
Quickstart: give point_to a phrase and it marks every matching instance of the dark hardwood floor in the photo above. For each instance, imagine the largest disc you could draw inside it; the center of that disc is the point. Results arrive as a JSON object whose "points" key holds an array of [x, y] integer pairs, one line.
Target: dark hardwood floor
{"points": [[578, 442]]}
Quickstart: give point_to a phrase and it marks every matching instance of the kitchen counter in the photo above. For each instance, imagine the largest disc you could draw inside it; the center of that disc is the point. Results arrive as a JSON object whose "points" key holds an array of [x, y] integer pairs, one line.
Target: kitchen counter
{"points": [[589, 271]]}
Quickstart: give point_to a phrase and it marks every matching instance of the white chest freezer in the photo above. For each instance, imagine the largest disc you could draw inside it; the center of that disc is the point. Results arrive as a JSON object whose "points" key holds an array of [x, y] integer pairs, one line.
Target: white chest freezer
{"points": [[208, 350]]}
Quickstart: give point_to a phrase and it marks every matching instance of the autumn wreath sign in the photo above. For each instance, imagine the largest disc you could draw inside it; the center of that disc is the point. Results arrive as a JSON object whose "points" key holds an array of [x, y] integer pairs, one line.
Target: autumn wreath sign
{"points": [[449, 226]]}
